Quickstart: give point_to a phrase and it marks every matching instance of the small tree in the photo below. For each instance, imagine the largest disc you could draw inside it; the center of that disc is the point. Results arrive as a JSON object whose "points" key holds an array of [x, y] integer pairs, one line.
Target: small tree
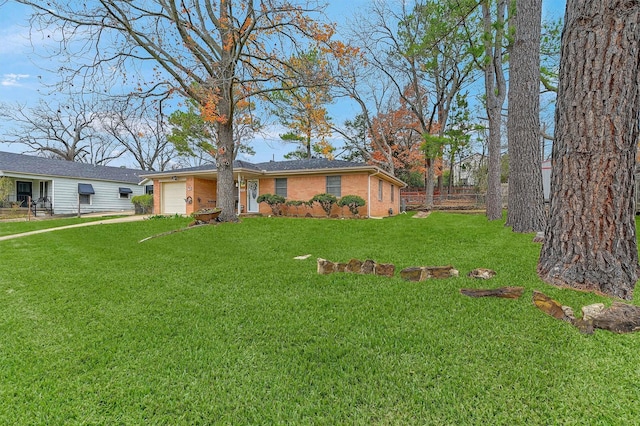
{"points": [[354, 202], [326, 201], [6, 187], [274, 201]]}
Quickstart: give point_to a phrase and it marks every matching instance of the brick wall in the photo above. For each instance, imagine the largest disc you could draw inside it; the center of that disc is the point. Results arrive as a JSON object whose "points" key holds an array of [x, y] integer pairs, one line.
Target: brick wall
{"points": [[204, 193], [303, 188]]}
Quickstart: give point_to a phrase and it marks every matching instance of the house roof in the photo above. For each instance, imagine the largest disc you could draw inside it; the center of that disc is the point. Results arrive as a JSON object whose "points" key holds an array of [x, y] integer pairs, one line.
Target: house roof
{"points": [[280, 167], [39, 166], [311, 164]]}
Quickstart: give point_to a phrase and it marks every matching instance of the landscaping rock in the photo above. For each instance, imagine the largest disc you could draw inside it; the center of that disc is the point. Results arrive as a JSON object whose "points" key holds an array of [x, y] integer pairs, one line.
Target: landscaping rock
{"points": [[482, 273], [357, 267], [354, 265], [568, 312], [368, 267], [423, 273], [326, 267], [591, 311], [584, 326], [503, 292], [619, 318], [550, 306], [385, 269]]}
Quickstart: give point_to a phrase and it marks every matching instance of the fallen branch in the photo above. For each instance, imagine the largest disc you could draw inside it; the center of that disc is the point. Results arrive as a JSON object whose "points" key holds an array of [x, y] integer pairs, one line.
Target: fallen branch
{"points": [[504, 292], [172, 232]]}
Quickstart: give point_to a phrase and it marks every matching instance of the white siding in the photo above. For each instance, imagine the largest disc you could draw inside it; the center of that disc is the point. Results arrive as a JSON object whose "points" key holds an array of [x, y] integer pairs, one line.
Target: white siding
{"points": [[106, 197]]}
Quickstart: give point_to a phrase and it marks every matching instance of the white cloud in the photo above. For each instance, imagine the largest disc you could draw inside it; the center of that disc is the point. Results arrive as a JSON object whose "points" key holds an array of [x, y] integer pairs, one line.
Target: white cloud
{"points": [[12, 80]]}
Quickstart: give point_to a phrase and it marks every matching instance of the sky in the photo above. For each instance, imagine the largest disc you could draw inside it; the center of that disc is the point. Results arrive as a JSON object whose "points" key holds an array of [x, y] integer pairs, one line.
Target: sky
{"points": [[21, 70]]}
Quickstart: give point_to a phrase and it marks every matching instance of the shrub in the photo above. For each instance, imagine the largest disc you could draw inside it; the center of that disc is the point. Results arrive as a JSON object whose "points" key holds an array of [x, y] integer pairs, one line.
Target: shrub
{"points": [[6, 187], [353, 202], [143, 203], [274, 201], [326, 201], [296, 204]]}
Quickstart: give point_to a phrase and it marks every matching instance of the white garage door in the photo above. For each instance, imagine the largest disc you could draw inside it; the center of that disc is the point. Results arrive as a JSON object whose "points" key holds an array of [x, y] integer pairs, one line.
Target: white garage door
{"points": [[173, 194]]}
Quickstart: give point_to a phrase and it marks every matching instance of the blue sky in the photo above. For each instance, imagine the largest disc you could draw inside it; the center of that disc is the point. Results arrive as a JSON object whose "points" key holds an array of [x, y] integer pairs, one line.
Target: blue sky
{"points": [[21, 70]]}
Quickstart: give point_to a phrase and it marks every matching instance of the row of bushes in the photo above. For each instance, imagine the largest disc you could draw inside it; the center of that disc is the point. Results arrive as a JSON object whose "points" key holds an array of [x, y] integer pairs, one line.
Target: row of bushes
{"points": [[326, 201]]}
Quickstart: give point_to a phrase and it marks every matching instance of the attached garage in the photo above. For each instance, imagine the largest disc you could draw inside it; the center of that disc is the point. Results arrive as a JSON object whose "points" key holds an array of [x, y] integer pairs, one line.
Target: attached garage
{"points": [[173, 195]]}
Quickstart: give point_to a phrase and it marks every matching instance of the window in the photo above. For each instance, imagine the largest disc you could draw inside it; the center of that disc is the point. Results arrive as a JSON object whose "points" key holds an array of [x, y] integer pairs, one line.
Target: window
{"points": [[85, 190], [281, 187], [148, 189], [124, 192], [380, 190], [392, 191], [334, 184]]}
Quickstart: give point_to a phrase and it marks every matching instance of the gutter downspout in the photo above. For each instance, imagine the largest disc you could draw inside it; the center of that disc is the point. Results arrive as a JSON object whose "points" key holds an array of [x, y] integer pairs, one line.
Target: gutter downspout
{"points": [[239, 200], [369, 192]]}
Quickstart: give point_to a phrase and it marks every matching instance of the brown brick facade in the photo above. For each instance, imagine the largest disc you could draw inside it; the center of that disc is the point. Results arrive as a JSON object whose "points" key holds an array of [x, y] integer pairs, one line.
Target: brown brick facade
{"points": [[200, 192]]}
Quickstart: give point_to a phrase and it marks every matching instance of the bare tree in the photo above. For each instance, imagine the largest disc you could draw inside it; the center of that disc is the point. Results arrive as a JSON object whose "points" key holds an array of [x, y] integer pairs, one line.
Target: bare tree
{"points": [[68, 130], [526, 212], [141, 131], [218, 54], [424, 65], [590, 240]]}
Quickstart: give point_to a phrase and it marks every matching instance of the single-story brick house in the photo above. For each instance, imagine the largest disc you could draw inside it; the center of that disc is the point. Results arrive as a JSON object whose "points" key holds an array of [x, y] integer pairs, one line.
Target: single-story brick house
{"points": [[185, 191], [63, 187]]}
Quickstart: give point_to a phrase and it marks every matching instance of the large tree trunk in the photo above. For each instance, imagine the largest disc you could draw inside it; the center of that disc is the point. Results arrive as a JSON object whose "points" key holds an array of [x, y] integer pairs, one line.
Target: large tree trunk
{"points": [[429, 183], [590, 240], [495, 88], [224, 165], [526, 209], [494, 189]]}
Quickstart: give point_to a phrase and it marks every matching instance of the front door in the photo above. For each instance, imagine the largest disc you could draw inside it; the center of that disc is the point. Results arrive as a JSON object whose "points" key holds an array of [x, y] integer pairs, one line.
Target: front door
{"points": [[252, 196], [44, 190], [23, 192]]}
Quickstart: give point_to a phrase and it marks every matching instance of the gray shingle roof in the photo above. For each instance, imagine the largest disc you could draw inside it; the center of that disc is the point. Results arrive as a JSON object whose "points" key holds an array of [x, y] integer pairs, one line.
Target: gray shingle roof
{"points": [[312, 164], [237, 164], [274, 166], [20, 163]]}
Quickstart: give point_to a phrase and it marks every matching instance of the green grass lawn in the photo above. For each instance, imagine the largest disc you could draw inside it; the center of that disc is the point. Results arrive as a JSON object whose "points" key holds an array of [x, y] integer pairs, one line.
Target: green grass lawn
{"points": [[220, 325], [24, 225]]}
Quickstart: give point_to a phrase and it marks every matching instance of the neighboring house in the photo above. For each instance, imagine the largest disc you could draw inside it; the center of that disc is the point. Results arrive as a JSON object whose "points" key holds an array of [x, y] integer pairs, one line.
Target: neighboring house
{"points": [[466, 170], [185, 191], [63, 187]]}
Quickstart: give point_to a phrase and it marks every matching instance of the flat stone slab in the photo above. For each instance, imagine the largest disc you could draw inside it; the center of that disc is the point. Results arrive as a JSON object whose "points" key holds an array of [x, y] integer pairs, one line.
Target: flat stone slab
{"points": [[423, 273], [619, 318], [356, 266], [482, 273]]}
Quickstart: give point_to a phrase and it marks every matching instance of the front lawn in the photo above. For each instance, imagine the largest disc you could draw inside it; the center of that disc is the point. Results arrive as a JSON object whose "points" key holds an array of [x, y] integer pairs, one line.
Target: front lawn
{"points": [[220, 325], [24, 225]]}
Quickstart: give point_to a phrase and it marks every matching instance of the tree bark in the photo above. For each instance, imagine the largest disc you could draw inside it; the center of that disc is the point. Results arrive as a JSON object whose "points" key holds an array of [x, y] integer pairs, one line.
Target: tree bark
{"points": [[429, 183], [224, 165], [495, 87], [590, 240], [526, 208]]}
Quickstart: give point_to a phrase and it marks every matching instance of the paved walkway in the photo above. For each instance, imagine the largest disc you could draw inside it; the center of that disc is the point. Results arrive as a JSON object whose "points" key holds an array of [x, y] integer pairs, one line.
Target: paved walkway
{"points": [[132, 218]]}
